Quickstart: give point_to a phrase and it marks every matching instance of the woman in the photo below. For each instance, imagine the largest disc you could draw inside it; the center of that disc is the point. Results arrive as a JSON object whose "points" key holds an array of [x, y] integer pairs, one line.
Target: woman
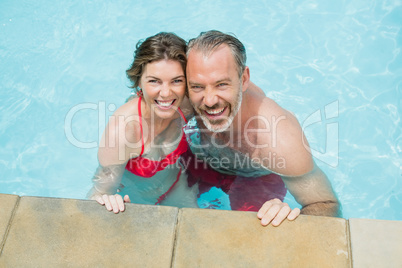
{"points": [[145, 134]]}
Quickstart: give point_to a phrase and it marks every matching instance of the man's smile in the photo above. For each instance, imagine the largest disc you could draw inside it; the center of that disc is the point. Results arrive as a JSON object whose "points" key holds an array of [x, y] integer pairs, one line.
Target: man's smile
{"points": [[214, 113]]}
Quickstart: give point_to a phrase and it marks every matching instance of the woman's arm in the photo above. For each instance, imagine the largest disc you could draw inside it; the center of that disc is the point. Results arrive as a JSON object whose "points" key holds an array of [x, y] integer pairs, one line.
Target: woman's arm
{"points": [[106, 180], [105, 183], [113, 154]]}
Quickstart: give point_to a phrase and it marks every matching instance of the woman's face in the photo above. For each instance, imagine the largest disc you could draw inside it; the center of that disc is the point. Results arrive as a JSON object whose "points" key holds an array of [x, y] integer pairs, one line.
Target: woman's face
{"points": [[163, 85]]}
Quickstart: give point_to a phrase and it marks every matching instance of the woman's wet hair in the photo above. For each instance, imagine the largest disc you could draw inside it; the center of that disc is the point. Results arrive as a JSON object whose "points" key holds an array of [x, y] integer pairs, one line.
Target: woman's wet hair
{"points": [[162, 46], [207, 42]]}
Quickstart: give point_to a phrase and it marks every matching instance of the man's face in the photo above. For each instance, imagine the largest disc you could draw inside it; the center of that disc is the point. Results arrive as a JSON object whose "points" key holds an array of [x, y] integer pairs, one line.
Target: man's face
{"points": [[215, 88]]}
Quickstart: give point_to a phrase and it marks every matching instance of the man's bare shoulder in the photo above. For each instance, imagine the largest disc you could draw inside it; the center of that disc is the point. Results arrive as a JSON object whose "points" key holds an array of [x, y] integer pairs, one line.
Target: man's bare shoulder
{"points": [[260, 105], [285, 139], [270, 107], [255, 90]]}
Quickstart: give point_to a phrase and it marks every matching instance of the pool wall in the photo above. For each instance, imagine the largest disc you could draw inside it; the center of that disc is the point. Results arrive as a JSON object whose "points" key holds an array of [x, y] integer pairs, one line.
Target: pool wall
{"points": [[49, 232]]}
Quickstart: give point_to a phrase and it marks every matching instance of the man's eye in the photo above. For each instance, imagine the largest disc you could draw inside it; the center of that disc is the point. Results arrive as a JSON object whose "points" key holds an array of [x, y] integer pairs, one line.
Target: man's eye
{"points": [[222, 84]]}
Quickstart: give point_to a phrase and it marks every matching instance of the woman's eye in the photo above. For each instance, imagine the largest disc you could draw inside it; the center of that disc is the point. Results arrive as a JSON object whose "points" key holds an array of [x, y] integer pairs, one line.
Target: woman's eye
{"points": [[178, 81], [153, 81]]}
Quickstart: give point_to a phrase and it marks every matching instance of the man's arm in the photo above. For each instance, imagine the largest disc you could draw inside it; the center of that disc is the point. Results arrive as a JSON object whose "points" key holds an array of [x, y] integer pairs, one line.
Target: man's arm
{"points": [[304, 180], [314, 192]]}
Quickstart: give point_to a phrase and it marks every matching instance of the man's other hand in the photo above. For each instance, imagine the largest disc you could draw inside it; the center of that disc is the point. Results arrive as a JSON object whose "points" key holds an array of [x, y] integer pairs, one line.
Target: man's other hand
{"points": [[275, 212]]}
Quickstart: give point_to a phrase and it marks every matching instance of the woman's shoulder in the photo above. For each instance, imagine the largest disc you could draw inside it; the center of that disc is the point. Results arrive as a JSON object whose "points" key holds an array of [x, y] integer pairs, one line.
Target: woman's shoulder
{"points": [[128, 117], [122, 131], [129, 108]]}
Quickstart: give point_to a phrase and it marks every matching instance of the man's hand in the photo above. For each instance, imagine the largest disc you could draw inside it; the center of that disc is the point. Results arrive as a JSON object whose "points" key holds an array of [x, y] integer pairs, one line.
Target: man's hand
{"points": [[275, 211], [113, 202]]}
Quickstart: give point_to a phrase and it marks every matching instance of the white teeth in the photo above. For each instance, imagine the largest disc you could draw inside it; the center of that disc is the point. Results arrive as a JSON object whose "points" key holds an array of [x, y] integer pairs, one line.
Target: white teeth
{"points": [[216, 111], [165, 103]]}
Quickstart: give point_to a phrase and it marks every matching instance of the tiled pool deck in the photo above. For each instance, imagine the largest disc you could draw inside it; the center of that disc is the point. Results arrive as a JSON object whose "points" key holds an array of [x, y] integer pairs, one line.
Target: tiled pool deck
{"points": [[52, 232]]}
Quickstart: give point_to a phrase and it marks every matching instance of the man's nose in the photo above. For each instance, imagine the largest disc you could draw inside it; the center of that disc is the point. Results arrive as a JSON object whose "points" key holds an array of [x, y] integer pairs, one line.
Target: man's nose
{"points": [[210, 98]]}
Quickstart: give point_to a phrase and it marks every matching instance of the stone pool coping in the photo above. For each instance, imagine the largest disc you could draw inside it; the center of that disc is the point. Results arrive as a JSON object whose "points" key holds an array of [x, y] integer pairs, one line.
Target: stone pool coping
{"points": [[49, 232]]}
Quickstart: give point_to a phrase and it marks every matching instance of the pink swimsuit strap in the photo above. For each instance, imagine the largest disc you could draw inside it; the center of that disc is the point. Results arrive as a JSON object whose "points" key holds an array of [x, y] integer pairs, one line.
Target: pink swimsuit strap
{"points": [[140, 115], [142, 136], [147, 168]]}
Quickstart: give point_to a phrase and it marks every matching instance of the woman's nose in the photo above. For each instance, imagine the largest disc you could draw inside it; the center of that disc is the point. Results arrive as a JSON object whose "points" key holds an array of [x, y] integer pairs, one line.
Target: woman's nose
{"points": [[165, 90]]}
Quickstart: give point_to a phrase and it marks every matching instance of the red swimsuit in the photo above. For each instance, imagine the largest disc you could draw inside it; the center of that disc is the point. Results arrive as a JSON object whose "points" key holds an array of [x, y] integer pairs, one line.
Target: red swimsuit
{"points": [[147, 168]]}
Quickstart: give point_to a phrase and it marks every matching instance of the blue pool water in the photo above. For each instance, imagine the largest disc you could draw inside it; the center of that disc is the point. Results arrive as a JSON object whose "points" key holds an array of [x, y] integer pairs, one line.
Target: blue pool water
{"points": [[336, 64]]}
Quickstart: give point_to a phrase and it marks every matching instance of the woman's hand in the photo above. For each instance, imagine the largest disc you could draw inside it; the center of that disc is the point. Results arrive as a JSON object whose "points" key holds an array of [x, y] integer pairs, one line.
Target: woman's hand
{"points": [[113, 202]]}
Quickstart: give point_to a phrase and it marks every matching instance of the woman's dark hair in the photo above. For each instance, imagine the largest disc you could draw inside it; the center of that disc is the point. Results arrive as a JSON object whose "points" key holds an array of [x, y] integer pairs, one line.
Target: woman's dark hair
{"points": [[161, 46]]}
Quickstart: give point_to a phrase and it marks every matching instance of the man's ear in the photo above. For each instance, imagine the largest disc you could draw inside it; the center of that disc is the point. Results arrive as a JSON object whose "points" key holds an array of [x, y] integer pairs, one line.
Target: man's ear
{"points": [[245, 78]]}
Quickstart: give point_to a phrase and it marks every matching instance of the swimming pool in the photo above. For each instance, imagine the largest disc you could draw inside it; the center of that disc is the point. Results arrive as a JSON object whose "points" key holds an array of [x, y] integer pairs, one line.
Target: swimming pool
{"points": [[336, 64]]}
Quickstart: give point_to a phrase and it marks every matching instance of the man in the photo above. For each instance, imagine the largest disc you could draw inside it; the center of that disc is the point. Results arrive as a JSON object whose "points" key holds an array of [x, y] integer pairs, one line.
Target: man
{"points": [[247, 137]]}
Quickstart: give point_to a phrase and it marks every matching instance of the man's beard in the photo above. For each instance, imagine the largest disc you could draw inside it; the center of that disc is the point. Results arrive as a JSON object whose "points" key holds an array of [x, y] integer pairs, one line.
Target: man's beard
{"points": [[228, 121]]}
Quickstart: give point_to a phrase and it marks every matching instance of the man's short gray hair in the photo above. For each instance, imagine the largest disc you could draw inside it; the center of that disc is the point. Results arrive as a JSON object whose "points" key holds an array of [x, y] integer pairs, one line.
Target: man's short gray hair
{"points": [[206, 42]]}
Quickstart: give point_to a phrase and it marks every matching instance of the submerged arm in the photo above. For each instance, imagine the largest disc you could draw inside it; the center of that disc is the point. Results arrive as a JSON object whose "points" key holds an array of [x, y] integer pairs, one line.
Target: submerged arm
{"points": [[106, 180], [303, 178], [113, 155], [314, 192]]}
